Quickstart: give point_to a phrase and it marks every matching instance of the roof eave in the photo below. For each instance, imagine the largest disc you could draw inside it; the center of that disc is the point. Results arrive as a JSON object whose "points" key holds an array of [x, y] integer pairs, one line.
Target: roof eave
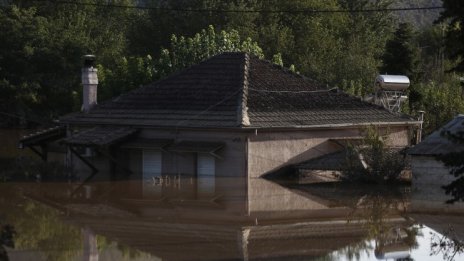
{"points": [[341, 125], [250, 128]]}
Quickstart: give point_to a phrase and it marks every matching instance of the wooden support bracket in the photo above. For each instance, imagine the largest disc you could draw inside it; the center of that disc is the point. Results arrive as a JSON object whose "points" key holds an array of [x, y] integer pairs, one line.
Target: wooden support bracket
{"points": [[86, 162]]}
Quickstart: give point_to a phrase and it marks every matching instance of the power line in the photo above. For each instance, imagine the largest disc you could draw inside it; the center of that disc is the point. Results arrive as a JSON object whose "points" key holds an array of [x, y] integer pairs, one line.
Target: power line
{"points": [[206, 10], [294, 91]]}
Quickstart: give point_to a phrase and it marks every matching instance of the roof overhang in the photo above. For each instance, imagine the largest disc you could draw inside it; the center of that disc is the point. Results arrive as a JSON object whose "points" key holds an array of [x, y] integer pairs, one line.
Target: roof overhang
{"points": [[197, 147], [100, 136], [266, 128], [142, 143], [42, 137]]}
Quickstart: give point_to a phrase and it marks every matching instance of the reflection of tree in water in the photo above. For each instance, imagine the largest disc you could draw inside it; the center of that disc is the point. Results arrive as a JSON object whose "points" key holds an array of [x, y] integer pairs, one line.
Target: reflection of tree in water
{"points": [[376, 212], [6, 240], [354, 251], [39, 227], [447, 244], [126, 251]]}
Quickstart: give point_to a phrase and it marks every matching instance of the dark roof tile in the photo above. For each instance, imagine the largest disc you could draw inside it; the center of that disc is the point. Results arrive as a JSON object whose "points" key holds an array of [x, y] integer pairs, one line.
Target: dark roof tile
{"points": [[225, 89], [438, 143], [100, 136]]}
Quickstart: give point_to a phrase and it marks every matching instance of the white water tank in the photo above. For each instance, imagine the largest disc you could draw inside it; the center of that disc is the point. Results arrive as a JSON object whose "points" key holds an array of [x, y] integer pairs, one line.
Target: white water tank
{"points": [[392, 82]]}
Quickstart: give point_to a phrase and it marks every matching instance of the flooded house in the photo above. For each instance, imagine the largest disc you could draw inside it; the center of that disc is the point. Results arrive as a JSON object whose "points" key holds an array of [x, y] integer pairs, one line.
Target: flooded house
{"points": [[220, 125], [429, 173]]}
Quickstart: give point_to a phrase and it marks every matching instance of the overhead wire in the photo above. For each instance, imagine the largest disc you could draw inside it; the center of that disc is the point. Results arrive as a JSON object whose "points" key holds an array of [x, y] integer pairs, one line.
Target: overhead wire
{"points": [[294, 91]]}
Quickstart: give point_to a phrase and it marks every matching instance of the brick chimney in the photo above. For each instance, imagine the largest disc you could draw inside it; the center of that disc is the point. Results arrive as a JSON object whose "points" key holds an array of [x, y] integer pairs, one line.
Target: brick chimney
{"points": [[89, 83]]}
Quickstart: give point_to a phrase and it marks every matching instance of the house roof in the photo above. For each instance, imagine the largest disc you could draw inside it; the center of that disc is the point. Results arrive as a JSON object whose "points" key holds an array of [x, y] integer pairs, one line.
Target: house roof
{"points": [[100, 136], [235, 90], [441, 141], [42, 137]]}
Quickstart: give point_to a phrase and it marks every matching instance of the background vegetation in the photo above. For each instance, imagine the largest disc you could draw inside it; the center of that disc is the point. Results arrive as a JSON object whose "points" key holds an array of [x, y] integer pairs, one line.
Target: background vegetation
{"points": [[43, 42]]}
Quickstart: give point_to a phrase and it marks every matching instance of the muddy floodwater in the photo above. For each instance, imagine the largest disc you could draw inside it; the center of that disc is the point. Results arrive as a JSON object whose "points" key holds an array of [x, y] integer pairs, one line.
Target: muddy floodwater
{"points": [[172, 220], [45, 214]]}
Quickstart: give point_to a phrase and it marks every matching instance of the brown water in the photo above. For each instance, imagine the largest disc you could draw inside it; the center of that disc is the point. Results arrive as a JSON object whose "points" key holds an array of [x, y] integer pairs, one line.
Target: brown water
{"points": [[181, 218], [106, 221], [9, 143]]}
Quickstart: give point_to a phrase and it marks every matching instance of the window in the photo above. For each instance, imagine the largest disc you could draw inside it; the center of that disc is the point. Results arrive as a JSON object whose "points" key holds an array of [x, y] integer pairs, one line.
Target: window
{"points": [[205, 175], [151, 172]]}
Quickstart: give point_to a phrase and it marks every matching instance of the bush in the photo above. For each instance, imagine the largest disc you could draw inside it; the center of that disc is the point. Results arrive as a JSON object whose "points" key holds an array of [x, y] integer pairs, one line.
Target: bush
{"points": [[372, 162]]}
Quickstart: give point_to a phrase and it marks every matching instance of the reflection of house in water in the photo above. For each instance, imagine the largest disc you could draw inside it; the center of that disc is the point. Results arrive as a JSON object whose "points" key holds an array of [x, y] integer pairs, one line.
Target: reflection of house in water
{"points": [[216, 126], [286, 226]]}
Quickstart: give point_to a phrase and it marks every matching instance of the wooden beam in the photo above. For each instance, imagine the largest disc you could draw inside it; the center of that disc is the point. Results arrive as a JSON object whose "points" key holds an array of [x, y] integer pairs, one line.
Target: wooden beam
{"points": [[42, 154], [44, 148], [86, 162]]}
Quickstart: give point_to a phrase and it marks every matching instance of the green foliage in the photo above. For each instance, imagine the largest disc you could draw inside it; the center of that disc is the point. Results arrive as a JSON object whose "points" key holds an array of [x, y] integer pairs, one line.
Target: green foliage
{"points": [[453, 15], [372, 162], [42, 44], [362, 40], [277, 59], [401, 54], [329, 48], [38, 227], [441, 101], [432, 64], [185, 52], [7, 233], [123, 76]]}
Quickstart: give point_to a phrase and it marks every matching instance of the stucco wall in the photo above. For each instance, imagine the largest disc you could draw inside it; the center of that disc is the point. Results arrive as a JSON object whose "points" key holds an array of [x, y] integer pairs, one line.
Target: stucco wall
{"points": [[428, 177], [265, 196], [268, 152], [230, 168], [231, 164]]}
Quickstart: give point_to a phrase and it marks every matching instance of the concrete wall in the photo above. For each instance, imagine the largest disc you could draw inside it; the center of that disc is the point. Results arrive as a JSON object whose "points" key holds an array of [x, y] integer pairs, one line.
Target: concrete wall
{"points": [[268, 196], [428, 177], [233, 156], [255, 154], [270, 151], [179, 169]]}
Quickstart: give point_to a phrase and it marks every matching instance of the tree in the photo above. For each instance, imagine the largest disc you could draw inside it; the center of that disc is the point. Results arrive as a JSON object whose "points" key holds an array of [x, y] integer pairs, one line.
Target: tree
{"points": [[153, 29], [401, 54], [453, 15], [124, 75], [184, 52], [372, 161], [363, 37], [40, 55], [440, 100], [129, 73]]}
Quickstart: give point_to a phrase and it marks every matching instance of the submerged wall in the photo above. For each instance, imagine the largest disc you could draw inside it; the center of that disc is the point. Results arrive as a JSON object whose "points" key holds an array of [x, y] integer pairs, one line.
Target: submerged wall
{"points": [[428, 177], [179, 169], [271, 151]]}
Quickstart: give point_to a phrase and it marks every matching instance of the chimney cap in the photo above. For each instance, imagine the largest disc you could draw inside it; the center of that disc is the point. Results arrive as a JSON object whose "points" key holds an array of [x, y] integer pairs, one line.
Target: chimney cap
{"points": [[89, 60]]}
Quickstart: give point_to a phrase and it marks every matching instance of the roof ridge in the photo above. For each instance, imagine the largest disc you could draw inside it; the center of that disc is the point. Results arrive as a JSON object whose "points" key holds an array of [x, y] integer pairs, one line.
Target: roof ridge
{"points": [[242, 110]]}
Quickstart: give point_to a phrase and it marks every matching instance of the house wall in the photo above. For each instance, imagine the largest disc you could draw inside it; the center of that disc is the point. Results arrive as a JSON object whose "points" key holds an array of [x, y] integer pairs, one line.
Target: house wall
{"points": [[270, 151], [428, 177], [233, 159], [179, 169], [268, 196]]}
